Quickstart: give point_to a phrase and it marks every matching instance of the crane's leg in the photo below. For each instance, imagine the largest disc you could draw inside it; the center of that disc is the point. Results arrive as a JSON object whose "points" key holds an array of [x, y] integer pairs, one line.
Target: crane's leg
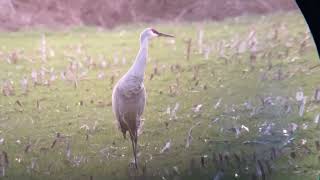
{"points": [[131, 125], [134, 149]]}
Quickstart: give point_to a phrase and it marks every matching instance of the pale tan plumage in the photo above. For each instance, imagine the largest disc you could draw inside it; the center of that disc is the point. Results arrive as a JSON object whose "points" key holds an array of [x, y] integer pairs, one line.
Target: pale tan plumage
{"points": [[128, 103], [129, 95]]}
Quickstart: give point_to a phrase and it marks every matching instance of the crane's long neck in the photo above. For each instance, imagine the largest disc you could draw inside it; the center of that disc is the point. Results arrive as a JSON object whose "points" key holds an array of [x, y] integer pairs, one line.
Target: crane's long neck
{"points": [[138, 67]]}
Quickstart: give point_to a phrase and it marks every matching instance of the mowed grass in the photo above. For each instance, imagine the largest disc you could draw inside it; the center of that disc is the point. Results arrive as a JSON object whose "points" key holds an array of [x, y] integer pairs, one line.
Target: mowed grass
{"points": [[91, 147]]}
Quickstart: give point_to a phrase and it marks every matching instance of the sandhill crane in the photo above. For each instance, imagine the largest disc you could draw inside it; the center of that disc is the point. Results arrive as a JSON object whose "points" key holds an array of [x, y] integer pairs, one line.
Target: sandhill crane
{"points": [[129, 95]]}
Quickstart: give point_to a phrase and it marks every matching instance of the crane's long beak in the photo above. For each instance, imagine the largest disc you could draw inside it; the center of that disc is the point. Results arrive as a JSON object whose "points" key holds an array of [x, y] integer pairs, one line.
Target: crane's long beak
{"points": [[161, 34], [164, 35]]}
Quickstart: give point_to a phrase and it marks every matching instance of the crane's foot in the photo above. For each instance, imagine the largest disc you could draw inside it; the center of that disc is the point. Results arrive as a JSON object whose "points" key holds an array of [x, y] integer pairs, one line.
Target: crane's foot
{"points": [[133, 165], [133, 171]]}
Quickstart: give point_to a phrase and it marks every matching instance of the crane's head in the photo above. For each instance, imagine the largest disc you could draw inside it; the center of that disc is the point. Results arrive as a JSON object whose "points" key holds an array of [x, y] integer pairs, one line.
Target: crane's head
{"points": [[151, 33]]}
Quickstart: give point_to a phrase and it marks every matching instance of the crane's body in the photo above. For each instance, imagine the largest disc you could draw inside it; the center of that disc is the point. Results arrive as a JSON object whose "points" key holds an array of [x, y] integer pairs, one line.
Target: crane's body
{"points": [[129, 95]]}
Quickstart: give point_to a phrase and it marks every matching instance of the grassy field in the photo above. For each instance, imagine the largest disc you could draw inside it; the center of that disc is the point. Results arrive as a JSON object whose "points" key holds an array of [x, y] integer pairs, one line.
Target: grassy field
{"points": [[238, 102]]}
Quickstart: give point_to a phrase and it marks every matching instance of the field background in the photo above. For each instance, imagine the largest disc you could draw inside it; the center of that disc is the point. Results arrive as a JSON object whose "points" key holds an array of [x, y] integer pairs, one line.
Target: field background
{"points": [[63, 128], [60, 14]]}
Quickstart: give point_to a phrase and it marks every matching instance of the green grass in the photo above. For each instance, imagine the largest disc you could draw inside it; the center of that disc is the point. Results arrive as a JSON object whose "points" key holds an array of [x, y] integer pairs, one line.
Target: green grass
{"points": [[106, 154]]}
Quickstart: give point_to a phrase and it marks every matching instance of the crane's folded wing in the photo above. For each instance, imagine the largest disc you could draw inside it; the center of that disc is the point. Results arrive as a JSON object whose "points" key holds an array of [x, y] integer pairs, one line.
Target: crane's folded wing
{"points": [[131, 87]]}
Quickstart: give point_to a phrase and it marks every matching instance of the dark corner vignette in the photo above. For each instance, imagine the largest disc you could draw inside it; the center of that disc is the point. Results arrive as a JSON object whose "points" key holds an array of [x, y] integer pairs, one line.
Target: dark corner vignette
{"points": [[311, 13]]}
